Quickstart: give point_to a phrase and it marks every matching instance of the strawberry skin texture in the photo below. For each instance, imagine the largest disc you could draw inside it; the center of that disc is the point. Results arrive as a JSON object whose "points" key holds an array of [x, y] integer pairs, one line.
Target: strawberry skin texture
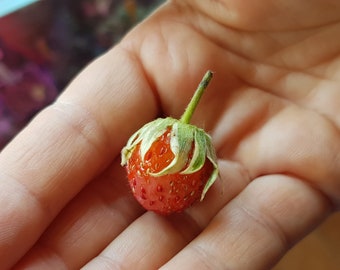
{"points": [[168, 193]]}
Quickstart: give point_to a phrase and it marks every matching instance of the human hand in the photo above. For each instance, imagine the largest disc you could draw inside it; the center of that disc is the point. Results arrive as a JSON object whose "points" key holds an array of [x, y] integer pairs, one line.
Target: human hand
{"points": [[271, 110]]}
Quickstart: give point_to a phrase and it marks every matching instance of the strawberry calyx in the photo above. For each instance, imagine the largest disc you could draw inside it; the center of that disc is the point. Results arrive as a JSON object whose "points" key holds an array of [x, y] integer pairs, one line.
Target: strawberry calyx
{"points": [[182, 138]]}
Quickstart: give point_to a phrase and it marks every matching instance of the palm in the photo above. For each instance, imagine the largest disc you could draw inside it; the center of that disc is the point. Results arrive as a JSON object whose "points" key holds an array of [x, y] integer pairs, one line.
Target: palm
{"points": [[275, 133], [274, 100]]}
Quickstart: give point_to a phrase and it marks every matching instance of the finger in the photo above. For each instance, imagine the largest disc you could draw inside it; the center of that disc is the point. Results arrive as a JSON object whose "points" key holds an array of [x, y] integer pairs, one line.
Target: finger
{"points": [[257, 15], [152, 239], [293, 150], [86, 225], [317, 87], [264, 133], [257, 227], [66, 145]]}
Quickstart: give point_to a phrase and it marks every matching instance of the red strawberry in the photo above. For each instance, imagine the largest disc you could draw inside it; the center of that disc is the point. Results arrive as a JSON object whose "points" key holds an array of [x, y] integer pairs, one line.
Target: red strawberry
{"points": [[171, 164]]}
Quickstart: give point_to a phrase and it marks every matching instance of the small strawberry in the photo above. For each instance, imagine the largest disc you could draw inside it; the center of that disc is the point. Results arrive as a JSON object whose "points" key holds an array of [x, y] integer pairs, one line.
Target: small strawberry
{"points": [[171, 164]]}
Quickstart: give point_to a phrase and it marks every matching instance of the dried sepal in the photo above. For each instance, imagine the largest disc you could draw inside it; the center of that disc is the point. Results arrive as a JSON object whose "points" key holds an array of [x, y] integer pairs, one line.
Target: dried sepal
{"points": [[199, 155], [211, 155], [146, 135], [181, 139]]}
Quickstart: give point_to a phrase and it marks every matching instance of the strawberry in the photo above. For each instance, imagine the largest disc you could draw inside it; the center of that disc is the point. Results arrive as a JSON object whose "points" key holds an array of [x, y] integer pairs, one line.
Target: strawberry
{"points": [[170, 163]]}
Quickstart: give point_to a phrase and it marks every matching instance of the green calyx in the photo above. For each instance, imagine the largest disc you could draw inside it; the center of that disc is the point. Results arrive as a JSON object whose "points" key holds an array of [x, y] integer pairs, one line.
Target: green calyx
{"points": [[182, 137]]}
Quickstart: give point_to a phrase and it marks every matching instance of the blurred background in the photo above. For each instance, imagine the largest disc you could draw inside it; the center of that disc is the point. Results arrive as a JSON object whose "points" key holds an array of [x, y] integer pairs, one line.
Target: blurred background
{"points": [[44, 44]]}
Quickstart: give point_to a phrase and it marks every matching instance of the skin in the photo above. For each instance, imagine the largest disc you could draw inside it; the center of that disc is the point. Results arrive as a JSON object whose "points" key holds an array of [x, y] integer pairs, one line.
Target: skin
{"points": [[272, 110]]}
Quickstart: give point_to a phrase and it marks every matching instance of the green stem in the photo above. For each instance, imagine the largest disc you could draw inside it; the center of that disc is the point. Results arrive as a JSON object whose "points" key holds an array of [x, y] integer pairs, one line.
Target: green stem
{"points": [[186, 117]]}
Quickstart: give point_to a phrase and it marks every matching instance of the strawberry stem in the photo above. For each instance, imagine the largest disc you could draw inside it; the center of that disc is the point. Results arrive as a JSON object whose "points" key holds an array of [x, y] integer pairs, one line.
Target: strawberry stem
{"points": [[186, 117]]}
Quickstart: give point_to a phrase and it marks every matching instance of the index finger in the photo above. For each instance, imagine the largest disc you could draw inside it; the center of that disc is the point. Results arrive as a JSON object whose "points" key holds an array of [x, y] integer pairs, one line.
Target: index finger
{"points": [[66, 145]]}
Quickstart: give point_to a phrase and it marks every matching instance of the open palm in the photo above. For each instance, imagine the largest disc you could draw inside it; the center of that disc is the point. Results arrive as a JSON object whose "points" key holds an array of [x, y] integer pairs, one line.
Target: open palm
{"points": [[272, 112]]}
